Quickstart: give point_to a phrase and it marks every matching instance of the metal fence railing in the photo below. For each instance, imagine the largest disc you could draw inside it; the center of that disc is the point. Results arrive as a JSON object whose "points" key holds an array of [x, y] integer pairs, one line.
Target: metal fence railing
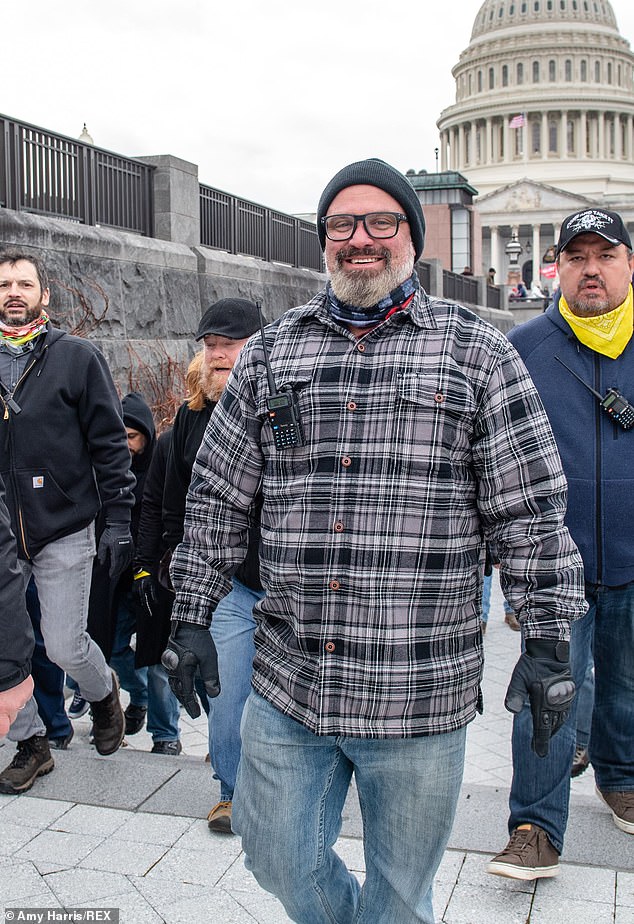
{"points": [[460, 288], [51, 174], [242, 227]]}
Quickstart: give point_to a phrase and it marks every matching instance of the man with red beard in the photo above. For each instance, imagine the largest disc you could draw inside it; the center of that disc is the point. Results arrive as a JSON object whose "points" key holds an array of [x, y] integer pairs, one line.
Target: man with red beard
{"points": [[419, 438], [224, 329]]}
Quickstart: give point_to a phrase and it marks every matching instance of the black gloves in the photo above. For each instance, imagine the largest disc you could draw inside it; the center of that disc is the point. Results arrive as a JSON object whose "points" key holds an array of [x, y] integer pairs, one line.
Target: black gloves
{"points": [[543, 675], [145, 590], [116, 545], [191, 647]]}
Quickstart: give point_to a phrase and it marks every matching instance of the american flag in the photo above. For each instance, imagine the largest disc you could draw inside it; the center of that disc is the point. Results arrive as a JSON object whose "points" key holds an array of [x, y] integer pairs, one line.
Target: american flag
{"points": [[517, 121]]}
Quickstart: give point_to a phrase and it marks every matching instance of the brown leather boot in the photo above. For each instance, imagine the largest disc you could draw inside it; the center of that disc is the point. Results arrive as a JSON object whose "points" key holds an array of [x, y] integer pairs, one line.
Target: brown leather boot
{"points": [[32, 759], [108, 720]]}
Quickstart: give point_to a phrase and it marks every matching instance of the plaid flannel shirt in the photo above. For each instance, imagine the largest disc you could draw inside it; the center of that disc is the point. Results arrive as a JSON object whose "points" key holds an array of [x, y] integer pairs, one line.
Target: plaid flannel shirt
{"points": [[423, 438]]}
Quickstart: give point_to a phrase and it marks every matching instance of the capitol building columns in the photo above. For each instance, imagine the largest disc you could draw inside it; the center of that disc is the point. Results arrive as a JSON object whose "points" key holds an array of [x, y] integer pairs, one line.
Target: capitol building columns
{"points": [[543, 122]]}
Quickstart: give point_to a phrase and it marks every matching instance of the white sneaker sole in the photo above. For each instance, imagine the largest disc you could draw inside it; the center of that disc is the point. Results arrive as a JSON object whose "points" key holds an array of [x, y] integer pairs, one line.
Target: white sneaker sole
{"points": [[626, 826], [521, 872]]}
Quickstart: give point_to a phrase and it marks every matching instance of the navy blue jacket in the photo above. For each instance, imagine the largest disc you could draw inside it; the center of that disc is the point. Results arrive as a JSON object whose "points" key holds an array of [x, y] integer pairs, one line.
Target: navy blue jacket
{"points": [[597, 454]]}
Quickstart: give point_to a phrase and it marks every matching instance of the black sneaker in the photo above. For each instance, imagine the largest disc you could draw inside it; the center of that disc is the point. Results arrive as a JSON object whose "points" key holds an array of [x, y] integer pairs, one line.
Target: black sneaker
{"points": [[61, 743], [78, 707], [32, 759], [108, 721], [134, 719], [528, 855], [170, 748]]}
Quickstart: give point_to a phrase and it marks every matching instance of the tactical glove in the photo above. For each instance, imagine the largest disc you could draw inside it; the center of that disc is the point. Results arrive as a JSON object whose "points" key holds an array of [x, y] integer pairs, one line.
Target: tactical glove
{"points": [[543, 675], [145, 590], [189, 648], [116, 546]]}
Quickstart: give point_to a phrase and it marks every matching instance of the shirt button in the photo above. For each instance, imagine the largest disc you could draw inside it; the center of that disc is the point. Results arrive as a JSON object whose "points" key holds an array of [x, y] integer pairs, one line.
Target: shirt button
{"points": [[361, 347], [338, 527], [334, 585], [352, 405], [330, 647], [346, 461], [439, 397]]}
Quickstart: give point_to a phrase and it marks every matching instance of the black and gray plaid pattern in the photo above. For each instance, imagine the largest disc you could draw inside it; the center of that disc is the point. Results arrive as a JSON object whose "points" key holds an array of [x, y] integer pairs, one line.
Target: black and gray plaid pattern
{"points": [[422, 438]]}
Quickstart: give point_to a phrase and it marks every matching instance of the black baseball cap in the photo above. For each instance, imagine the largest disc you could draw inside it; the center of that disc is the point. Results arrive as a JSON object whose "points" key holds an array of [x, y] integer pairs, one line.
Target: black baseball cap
{"points": [[608, 225], [235, 318]]}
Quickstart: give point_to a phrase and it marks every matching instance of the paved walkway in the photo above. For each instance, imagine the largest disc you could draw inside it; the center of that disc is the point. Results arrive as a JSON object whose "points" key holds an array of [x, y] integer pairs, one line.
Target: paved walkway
{"points": [[128, 832]]}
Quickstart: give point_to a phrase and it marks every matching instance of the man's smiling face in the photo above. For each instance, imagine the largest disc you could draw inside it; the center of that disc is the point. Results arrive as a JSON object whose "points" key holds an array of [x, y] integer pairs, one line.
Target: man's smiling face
{"points": [[364, 270]]}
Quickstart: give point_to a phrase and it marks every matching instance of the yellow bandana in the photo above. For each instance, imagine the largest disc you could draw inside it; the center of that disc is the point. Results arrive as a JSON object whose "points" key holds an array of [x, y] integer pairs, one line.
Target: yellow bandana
{"points": [[608, 333]]}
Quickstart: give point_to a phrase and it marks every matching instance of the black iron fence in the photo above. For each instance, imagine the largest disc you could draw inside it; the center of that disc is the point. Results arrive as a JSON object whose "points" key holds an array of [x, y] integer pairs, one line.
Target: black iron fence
{"points": [[459, 288], [54, 175], [242, 227]]}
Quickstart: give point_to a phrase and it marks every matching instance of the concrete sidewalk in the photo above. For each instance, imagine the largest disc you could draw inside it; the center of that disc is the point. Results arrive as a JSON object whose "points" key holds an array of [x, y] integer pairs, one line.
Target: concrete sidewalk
{"points": [[129, 832]]}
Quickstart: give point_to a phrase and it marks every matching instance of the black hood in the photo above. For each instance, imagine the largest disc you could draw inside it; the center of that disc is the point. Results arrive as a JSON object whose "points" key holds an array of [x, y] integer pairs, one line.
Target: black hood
{"points": [[138, 416]]}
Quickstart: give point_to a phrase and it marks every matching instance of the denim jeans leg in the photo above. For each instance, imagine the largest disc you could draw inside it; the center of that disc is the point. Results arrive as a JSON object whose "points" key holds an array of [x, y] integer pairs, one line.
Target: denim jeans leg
{"points": [[163, 710], [612, 736], [133, 680], [540, 789], [232, 629], [287, 807], [408, 791], [585, 705]]}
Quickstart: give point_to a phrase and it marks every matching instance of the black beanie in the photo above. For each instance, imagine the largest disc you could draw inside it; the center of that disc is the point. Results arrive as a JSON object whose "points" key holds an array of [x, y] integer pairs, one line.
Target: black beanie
{"points": [[375, 172]]}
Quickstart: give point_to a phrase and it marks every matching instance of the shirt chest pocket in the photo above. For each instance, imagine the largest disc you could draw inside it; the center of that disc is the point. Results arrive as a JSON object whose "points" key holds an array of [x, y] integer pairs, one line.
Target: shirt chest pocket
{"points": [[433, 420]]}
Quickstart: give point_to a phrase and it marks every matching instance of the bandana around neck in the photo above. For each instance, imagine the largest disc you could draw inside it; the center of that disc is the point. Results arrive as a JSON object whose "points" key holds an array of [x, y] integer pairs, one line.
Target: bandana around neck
{"points": [[18, 336], [607, 333], [367, 317]]}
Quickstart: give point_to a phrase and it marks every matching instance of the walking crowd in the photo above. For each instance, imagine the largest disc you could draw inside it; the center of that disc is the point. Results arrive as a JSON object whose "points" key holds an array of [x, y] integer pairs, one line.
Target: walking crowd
{"points": [[302, 553]]}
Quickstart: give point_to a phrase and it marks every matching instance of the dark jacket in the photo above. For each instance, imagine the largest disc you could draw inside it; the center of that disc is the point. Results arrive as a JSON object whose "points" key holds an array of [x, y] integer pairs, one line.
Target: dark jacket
{"points": [[66, 453], [104, 594], [188, 432], [597, 454], [153, 628], [16, 633]]}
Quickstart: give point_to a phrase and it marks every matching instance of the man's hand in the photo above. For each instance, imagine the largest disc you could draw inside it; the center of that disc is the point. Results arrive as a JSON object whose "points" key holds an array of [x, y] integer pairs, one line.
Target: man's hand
{"points": [[116, 545], [145, 590], [191, 647], [11, 701], [543, 675]]}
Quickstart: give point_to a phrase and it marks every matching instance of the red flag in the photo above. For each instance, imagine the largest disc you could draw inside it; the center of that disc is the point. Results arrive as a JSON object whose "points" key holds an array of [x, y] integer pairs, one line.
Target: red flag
{"points": [[517, 121]]}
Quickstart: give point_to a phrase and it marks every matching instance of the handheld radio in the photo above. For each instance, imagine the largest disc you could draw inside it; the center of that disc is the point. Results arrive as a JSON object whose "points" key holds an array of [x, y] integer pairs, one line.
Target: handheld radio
{"points": [[614, 403], [282, 408]]}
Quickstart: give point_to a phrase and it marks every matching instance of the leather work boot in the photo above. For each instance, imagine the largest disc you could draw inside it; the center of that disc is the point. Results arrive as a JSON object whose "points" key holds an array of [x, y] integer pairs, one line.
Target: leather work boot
{"points": [[219, 818], [32, 759], [108, 721]]}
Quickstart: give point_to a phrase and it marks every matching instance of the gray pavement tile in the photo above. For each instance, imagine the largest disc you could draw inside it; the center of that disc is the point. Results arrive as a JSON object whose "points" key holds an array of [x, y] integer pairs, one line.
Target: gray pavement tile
{"points": [[189, 791], [14, 837], [547, 909], [58, 846], [91, 819], [219, 905], [261, 907], [474, 874], [351, 852], [199, 837], [450, 866], [625, 889], [127, 857], [30, 812], [83, 886], [205, 868], [576, 882], [149, 828], [472, 905], [160, 894], [133, 909], [624, 916], [19, 881]]}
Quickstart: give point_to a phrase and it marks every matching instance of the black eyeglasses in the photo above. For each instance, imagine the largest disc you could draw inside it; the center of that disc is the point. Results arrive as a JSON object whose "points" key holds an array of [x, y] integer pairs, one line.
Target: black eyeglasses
{"points": [[379, 225]]}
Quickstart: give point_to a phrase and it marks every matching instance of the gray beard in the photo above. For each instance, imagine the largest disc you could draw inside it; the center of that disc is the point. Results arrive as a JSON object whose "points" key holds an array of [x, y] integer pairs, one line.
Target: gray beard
{"points": [[364, 289]]}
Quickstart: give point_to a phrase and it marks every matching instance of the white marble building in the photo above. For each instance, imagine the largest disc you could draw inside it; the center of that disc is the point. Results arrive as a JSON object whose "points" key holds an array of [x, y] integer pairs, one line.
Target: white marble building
{"points": [[543, 123]]}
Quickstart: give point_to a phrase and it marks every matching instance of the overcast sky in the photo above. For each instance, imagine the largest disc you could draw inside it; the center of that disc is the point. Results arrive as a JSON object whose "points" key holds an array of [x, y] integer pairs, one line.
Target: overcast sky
{"points": [[268, 97]]}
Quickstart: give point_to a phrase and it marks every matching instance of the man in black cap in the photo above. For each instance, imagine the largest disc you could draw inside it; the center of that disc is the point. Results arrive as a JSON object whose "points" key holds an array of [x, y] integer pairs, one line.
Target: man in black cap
{"points": [[383, 461], [224, 329], [581, 356]]}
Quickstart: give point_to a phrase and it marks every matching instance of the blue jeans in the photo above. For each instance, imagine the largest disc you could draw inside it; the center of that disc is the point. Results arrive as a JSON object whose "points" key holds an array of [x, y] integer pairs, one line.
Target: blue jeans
{"points": [[232, 629], [541, 786], [62, 571], [486, 597], [289, 797], [147, 686], [585, 703]]}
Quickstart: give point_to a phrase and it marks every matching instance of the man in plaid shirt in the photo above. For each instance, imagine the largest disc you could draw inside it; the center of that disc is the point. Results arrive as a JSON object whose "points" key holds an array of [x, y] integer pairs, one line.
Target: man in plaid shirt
{"points": [[422, 436]]}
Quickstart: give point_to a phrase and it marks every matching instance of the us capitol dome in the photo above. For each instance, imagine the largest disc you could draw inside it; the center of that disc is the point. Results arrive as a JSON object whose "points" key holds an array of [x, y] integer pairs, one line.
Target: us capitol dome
{"points": [[543, 122]]}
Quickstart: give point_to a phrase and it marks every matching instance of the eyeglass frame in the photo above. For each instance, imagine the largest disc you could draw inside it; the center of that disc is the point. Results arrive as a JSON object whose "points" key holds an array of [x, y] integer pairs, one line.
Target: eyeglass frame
{"points": [[399, 216]]}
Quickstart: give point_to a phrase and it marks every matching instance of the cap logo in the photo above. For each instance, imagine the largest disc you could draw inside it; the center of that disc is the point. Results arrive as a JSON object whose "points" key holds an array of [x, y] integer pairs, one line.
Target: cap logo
{"points": [[589, 221]]}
